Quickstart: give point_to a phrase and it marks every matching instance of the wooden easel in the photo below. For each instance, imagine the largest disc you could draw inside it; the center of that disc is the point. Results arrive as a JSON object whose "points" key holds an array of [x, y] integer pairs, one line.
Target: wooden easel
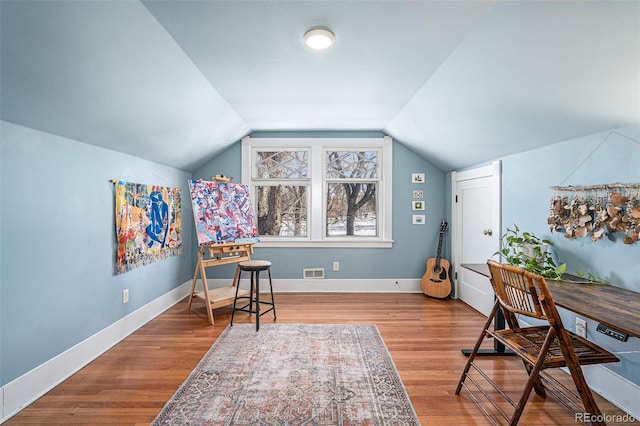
{"points": [[215, 255]]}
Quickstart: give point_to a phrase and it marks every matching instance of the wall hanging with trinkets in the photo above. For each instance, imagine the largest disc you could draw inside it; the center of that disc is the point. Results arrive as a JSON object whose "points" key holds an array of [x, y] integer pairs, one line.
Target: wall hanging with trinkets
{"points": [[597, 211]]}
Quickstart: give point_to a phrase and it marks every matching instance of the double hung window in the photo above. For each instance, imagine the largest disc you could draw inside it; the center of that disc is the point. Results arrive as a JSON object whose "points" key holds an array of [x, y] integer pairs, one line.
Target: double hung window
{"points": [[320, 191]]}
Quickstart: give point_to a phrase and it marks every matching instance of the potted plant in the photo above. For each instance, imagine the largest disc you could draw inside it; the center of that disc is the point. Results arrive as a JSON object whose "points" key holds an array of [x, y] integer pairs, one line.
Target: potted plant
{"points": [[527, 251]]}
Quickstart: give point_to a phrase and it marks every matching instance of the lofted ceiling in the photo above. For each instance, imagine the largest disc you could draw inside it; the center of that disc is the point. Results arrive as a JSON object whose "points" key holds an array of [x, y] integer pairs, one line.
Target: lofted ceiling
{"points": [[458, 82]]}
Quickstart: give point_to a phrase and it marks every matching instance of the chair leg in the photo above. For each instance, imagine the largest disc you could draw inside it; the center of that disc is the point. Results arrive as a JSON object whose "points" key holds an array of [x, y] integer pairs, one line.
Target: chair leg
{"points": [[473, 353], [273, 301], [586, 396], [257, 300], [512, 320], [251, 291], [538, 387], [588, 401], [534, 377]]}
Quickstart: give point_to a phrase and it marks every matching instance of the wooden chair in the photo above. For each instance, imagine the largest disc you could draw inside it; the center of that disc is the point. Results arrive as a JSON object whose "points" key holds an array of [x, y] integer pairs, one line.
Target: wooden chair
{"points": [[522, 293]]}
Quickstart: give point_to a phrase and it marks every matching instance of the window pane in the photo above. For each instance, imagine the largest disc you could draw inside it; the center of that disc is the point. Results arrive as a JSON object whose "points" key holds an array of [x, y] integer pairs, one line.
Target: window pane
{"points": [[282, 210], [281, 164], [352, 164], [351, 209]]}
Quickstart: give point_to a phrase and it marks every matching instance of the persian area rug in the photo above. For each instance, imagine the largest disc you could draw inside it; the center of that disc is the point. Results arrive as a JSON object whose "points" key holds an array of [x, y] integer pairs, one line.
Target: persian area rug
{"points": [[293, 374]]}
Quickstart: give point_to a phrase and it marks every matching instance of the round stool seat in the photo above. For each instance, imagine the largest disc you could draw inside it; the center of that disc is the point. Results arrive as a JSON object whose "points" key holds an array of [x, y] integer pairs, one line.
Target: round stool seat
{"points": [[254, 265]]}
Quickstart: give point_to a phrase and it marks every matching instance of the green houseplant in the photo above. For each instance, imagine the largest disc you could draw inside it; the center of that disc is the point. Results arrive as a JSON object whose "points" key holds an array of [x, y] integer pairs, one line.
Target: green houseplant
{"points": [[527, 251]]}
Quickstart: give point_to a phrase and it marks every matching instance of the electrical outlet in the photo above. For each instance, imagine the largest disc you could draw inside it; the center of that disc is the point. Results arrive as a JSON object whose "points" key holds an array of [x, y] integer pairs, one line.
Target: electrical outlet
{"points": [[336, 266], [125, 296], [581, 327]]}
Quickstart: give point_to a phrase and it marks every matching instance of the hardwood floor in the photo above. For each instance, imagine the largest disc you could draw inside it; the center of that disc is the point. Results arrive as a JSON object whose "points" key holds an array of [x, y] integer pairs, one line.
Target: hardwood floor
{"points": [[129, 384]]}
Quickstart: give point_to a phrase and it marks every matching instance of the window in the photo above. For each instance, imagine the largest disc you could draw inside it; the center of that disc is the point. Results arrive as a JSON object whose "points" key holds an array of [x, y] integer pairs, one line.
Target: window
{"points": [[328, 192], [280, 184], [351, 181]]}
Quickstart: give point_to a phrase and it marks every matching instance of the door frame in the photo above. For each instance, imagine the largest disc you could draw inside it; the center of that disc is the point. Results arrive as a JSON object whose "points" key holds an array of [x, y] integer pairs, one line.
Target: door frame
{"points": [[494, 171]]}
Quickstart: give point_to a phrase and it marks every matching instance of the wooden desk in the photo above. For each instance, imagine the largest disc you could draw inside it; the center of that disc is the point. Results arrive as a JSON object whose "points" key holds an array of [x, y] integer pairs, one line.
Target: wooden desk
{"points": [[612, 306]]}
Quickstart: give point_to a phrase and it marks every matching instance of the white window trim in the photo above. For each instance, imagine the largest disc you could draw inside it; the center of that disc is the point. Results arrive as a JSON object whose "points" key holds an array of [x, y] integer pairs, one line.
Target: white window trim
{"points": [[316, 207]]}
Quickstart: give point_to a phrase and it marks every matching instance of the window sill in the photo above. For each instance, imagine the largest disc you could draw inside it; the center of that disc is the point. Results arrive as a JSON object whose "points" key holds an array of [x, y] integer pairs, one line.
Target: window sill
{"points": [[327, 244]]}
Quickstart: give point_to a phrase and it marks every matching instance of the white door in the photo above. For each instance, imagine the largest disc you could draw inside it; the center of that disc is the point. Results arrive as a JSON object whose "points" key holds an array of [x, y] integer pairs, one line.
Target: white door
{"points": [[475, 231]]}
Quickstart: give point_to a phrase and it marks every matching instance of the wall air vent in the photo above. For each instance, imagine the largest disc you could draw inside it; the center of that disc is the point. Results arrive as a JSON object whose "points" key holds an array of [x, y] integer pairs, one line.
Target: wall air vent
{"points": [[312, 273]]}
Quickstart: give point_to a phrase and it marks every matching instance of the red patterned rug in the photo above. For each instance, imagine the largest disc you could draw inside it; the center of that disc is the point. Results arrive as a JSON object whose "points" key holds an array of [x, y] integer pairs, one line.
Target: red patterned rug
{"points": [[294, 374]]}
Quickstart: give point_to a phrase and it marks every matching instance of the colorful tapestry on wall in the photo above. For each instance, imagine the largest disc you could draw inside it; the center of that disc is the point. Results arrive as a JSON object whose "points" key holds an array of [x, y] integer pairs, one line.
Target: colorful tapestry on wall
{"points": [[223, 212], [148, 224]]}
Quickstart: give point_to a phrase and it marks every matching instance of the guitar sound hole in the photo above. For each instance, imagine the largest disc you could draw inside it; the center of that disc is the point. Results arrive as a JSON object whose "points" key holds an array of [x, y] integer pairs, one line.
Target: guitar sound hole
{"points": [[437, 270]]}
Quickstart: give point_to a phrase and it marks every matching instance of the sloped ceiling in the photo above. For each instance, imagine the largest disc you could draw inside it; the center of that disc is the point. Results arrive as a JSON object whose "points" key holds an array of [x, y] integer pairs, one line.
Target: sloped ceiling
{"points": [[458, 82]]}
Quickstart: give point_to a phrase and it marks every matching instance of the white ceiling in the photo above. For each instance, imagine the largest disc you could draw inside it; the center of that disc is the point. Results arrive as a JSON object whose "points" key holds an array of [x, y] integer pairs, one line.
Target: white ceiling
{"points": [[458, 82]]}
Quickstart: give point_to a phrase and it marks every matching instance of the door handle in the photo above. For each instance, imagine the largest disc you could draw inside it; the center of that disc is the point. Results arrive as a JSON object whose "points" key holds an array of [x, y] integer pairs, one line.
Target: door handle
{"points": [[488, 232]]}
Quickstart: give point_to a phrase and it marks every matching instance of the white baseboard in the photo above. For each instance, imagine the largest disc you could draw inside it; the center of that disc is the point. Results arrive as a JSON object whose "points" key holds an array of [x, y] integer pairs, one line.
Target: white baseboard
{"points": [[383, 285], [25, 389], [614, 388]]}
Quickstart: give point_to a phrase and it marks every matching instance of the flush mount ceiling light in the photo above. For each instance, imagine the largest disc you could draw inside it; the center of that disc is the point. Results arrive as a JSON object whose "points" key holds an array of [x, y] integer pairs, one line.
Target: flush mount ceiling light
{"points": [[319, 38]]}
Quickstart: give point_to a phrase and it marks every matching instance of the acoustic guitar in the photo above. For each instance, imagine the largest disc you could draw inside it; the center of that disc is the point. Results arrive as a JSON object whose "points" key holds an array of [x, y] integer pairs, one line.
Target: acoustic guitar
{"points": [[435, 281]]}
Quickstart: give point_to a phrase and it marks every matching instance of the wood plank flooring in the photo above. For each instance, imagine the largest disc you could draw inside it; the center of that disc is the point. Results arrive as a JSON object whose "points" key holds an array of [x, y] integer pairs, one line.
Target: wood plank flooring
{"points": [[129, 384]]}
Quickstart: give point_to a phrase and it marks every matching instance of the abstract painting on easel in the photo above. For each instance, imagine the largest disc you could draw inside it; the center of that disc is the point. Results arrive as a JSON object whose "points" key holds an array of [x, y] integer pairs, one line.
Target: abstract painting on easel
{"points": [[148, 224], [223, 212]]}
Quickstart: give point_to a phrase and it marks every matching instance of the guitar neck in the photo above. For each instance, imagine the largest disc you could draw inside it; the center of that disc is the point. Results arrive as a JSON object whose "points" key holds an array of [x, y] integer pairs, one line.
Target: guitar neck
{"points": [[438, 256]]}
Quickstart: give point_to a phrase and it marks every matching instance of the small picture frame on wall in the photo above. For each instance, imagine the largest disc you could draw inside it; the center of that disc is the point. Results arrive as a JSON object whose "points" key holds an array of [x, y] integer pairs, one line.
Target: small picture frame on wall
{"points": [[417, 205], [418, 219], [417, 177], [418, 193]]}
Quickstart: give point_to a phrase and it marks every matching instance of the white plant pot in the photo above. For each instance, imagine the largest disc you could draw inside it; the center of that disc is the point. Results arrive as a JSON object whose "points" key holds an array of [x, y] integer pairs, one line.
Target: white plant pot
{"points": [[529, 251]]}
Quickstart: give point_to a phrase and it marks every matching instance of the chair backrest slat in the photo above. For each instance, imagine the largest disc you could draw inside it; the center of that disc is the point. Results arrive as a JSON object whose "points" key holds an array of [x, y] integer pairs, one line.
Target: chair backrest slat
{"points": [[520, 291]]}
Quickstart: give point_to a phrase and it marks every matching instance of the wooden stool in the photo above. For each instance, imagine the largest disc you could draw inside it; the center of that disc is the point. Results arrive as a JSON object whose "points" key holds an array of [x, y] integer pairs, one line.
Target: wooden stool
{"points": [[254, 267]]}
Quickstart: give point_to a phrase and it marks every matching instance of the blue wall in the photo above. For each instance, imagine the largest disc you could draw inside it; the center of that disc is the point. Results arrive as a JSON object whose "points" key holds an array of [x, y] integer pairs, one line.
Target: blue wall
{"points": [[57, 285], [595, 159], [57, 233], [526, 178], [57, 248], [413, 244]]}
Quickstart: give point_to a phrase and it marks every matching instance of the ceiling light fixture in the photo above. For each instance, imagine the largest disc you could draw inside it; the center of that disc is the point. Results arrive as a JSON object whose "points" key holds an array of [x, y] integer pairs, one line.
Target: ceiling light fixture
{"points": [[319, 38]]}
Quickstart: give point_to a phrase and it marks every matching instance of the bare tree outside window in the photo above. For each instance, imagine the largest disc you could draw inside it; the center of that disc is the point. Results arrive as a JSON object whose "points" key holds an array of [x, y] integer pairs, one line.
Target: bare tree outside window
{"points": [[282, 164], [281, 203], [282, 210], [351, 193]]}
